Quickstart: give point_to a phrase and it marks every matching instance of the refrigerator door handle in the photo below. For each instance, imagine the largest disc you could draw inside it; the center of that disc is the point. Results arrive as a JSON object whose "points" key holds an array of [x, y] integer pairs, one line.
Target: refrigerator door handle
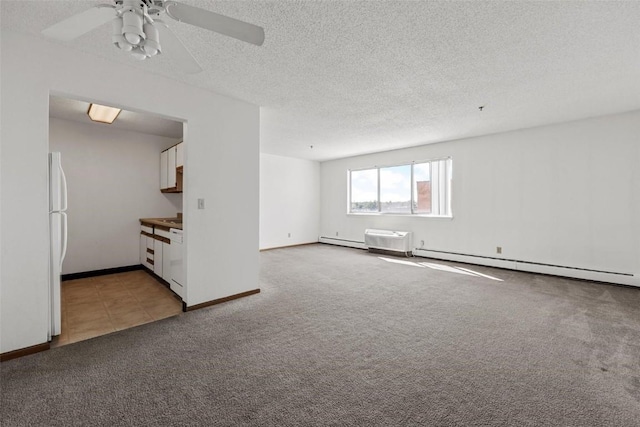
{"points": [[64, 189], [64, 235]]}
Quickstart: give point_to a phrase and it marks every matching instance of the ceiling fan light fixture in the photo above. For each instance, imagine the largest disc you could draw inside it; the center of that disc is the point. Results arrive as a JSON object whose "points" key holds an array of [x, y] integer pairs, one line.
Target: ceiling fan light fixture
{"points": [[102, 113], [125, 45], [138, 53], [132, 27], [138, 25], [117, 38], [151, 45]]}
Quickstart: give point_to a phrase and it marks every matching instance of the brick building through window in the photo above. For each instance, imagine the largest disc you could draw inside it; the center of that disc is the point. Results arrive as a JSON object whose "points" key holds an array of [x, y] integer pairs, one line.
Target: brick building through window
{"points": [[424, 196]]}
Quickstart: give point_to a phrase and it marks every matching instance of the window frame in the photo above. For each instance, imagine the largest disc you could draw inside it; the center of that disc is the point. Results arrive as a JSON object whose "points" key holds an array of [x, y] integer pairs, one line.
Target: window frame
{"points": [[447, 188]]}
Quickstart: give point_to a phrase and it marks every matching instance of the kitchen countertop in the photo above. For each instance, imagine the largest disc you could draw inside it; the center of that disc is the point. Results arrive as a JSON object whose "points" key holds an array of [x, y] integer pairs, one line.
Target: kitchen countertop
{"points": [[164, 222]]}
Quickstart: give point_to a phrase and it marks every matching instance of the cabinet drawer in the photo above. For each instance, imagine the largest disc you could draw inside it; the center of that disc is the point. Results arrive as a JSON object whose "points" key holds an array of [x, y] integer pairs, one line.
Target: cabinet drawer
{"points": [[146, 229], [163, 233]]}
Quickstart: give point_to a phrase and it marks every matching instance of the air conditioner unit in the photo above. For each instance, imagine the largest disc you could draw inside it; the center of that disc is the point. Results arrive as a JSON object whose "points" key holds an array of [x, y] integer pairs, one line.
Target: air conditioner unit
{"points": [[387, 240]]}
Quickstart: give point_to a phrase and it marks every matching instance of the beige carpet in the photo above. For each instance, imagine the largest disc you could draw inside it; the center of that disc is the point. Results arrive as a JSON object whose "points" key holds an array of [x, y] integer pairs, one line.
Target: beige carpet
{"points": [[342, 337]]}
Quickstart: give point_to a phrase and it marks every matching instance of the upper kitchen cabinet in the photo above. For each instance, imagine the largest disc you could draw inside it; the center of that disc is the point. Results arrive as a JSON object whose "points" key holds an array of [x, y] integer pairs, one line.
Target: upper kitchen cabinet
{"points": [[171, 169], [179, 165], [164, 167], [180, 155]]}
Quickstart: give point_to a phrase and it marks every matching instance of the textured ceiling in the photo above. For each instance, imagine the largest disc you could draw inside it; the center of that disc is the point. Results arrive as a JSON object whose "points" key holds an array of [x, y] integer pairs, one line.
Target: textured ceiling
{"points": [[352, 77]]}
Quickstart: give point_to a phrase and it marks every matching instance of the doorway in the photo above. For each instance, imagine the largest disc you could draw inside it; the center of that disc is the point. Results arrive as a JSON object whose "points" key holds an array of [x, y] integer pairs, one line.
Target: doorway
{"points": [[113, 179]]}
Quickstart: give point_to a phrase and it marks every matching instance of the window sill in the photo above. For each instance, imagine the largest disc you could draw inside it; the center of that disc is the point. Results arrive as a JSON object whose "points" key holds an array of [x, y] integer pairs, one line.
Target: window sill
{"points": [[400, 214]]}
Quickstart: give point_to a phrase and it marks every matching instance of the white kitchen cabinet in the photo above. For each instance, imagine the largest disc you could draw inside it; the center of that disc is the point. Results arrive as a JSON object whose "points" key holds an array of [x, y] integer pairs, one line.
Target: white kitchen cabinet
{"points": [[158, 255], [170, 179], [150, 257], [171, 168], [164, 170], [180, 155], [166, 261], [143, 249]]}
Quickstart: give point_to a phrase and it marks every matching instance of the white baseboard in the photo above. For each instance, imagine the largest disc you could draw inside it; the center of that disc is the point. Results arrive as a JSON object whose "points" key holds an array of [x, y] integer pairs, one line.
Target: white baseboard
{"points": [[576, 273], [596, 276], [490, 262], [342, 242], [531, 267], [268, 248]]}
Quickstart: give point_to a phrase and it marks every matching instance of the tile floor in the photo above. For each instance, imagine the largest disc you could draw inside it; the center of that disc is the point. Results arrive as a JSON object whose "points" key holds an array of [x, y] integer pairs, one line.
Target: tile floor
{"points": [[100, 305]]}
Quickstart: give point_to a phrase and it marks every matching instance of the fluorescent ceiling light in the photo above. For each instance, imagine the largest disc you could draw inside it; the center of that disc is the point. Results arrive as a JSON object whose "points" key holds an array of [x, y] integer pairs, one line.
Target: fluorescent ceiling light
{"points": [[102, 114]]}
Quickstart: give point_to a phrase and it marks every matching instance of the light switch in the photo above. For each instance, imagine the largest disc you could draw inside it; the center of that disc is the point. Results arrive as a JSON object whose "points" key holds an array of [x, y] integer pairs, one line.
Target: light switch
{"points": [[200, 203]]}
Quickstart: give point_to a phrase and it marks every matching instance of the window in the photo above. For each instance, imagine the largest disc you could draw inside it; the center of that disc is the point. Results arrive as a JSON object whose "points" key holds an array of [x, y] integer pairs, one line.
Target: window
{"points": [[422, 188], [395, 189], [364, 191]]}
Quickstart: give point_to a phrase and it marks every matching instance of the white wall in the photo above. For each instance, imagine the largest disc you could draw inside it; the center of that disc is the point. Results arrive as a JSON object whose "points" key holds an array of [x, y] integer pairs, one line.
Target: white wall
{"points": [[113, 180], [289, 201], [566, 194], [220, 133]]}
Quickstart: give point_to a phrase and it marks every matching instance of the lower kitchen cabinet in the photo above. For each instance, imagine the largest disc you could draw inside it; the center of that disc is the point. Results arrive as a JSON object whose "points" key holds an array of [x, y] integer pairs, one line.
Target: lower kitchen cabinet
{"points": [[166, 261], [150, 255], [158, 257], [155, 251], [143, 249]]}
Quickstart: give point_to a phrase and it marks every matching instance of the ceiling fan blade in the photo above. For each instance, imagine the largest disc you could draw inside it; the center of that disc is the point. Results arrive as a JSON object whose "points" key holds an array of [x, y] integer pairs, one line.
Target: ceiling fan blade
{"points": [[215, 22], [173, 47], [81, 23]]}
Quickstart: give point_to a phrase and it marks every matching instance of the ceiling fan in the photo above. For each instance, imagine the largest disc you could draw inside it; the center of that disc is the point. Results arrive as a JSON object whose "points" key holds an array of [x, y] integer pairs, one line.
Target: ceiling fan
{"points": [[138, 29]]}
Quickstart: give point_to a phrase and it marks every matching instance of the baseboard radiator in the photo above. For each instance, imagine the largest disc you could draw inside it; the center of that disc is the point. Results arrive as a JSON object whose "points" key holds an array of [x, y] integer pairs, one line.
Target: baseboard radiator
{"points": [[387, 240], [620, 278]]}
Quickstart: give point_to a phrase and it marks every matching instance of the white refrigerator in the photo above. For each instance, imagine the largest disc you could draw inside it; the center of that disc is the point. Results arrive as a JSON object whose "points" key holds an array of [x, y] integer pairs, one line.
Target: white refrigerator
{"points": [[57, 239]]}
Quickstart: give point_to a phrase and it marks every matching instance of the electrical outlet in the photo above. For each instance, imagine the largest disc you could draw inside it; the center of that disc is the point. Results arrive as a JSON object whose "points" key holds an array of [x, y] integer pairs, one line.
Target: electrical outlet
{"points": [[289, 235], [336, 234], [200, 203], [498, 249]]}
